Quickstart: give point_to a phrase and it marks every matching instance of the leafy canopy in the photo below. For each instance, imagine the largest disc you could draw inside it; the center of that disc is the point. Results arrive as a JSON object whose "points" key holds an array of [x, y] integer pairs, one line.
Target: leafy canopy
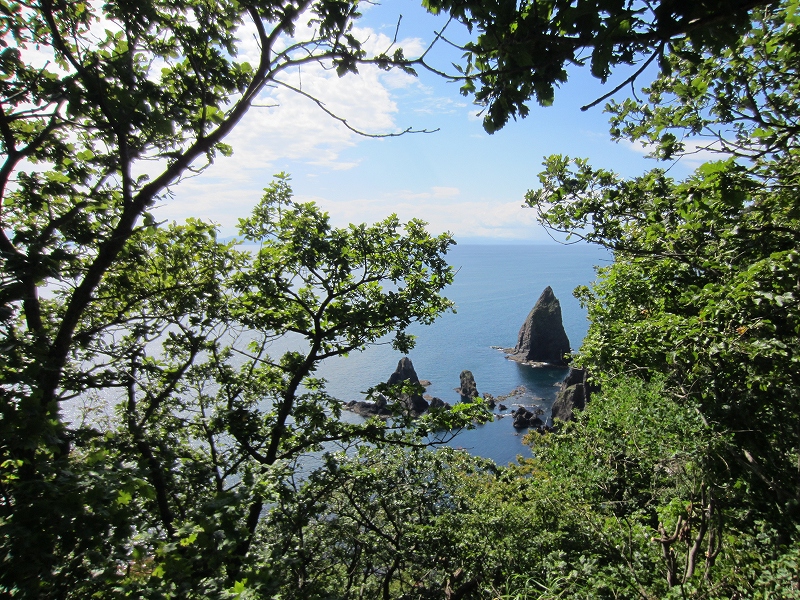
{"points": [[195, 419], [703, 289], [104, 108], [524, 50]]}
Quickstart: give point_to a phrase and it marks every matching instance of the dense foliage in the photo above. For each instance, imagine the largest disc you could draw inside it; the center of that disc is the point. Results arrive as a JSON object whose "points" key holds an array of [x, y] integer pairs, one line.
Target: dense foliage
{"points": [[704, 288], [524, 50], [180, 417], [162, 433], [682, 477], [623, 503], [161, 333]]}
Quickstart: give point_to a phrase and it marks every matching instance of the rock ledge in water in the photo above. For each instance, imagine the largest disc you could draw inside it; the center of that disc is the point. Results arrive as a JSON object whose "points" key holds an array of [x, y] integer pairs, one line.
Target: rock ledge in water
{"points": [[525, 417]]}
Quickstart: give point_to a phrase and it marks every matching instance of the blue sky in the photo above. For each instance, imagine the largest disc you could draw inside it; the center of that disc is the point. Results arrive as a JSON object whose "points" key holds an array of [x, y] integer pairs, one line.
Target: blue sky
{"points": [[459, 179]]}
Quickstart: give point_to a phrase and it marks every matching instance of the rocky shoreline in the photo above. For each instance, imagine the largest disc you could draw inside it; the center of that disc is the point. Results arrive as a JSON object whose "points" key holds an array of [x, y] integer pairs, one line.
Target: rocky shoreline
{"points": [[525, 416], [541, 343], [511, 354]]}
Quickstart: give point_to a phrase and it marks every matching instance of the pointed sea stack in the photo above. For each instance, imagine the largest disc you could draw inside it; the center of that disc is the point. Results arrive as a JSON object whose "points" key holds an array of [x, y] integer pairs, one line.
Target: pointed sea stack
{"points": [[416, 404], [542, 337], [404, 372]]}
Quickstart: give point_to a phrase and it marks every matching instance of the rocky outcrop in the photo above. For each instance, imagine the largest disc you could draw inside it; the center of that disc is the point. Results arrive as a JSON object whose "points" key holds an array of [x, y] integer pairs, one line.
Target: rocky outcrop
{"points": [[573, 395], [439, 403], [468, 389], [413, 403], [404, 372], [524, 417], [542, 338], [369, 409], [520, 390]]}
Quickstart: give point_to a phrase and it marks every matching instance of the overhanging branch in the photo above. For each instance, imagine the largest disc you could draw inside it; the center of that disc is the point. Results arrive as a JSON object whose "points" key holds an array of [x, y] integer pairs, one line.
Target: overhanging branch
{"points": [[344, 121]]}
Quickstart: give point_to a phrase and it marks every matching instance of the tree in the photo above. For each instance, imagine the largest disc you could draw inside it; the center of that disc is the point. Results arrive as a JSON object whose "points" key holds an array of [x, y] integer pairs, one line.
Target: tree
{"points": [[624, 502], [167, 495], [738, 100], [161, 85], [368, 525], [104, 109], [703, 289], [523, 50], [641, 508], [176, 343]]}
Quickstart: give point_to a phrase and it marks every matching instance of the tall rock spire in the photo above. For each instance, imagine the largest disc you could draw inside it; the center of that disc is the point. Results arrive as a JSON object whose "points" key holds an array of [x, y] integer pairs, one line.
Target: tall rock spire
{"points": [[542, 337]]}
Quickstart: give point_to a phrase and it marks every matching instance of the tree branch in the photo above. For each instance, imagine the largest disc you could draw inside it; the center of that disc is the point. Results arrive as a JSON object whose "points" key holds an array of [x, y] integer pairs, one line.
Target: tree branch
{"points": [[657, 52], [344, 122]]}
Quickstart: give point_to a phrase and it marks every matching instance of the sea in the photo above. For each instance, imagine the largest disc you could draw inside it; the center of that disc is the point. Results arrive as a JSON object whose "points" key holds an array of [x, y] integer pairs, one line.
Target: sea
{"points": [[495, 288]]}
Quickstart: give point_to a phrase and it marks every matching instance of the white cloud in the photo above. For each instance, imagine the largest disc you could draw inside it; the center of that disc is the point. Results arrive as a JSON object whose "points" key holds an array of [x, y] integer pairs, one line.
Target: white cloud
{"points": [[209, 200], [284, 125], [698, 152], [435, 193], [375, 43], [399, 80], [445, 192], [294, 127], [440, 105], [443, 210]]}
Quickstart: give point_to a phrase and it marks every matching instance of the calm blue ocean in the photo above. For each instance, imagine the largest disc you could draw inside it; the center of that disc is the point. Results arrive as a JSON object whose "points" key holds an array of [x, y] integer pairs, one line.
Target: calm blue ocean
{"points": [[494, 290]]}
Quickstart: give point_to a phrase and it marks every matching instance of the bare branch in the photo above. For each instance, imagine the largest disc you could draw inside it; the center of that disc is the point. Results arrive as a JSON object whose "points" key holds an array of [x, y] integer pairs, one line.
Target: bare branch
{"points": [[344, 122], [657, 52]]}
